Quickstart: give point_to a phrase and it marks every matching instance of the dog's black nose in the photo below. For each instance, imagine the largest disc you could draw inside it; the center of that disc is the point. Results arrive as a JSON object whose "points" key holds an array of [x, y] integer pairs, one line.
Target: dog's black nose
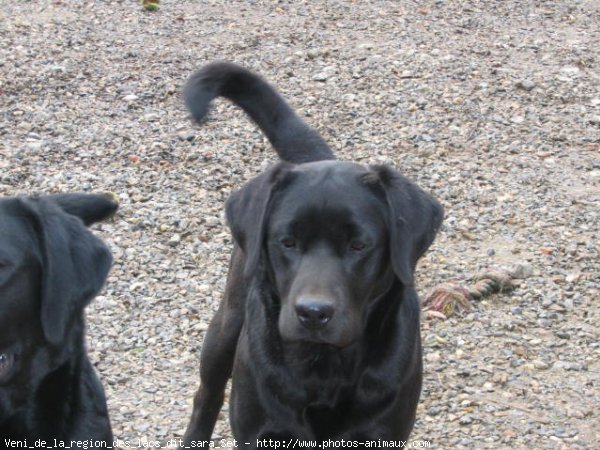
{"points": [[314, 313]]}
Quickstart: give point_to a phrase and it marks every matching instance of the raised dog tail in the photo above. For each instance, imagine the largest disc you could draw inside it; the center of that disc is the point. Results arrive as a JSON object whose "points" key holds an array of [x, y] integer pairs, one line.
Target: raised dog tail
{"points": [[293, 139]]}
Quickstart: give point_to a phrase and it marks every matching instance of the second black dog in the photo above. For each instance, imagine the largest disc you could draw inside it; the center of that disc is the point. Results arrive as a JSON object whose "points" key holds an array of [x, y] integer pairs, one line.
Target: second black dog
{"points": [[51, 267], [320, 321]]}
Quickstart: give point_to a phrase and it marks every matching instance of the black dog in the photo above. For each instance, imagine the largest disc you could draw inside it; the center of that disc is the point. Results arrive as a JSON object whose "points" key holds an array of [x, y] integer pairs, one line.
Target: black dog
{"points": [[320, 321], [51, 267]]}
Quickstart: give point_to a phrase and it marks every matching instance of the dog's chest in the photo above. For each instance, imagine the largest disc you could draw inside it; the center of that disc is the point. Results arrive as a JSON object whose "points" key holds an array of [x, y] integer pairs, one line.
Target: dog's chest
{"points": [[327, 400], [328, 380]]}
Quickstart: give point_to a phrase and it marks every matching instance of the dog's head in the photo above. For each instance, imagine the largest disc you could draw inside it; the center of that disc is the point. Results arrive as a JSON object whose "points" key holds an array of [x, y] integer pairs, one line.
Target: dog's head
{"points": [[333, 237], [51, 266]]}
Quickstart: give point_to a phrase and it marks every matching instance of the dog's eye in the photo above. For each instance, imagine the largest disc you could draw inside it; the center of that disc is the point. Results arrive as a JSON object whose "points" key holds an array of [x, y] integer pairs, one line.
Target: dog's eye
{"points": [[7, 361], [357, 246], [288, 242]]}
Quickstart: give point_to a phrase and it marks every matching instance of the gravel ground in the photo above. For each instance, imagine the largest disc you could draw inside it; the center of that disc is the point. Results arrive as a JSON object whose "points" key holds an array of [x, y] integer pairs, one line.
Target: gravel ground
{"points": [[492, 106]]}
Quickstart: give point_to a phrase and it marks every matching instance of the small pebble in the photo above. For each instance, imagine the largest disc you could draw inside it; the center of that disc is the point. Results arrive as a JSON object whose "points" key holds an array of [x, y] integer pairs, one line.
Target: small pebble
{"points": [[526, 85], [321, 76], [562, 334], [540, 365], [151, 117], [465, 420]]}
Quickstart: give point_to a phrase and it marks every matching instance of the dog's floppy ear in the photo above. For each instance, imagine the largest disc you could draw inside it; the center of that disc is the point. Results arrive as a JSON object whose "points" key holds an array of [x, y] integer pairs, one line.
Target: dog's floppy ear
{"points": [[75, 263], [90, 208], [415, 218], [247, 211]]}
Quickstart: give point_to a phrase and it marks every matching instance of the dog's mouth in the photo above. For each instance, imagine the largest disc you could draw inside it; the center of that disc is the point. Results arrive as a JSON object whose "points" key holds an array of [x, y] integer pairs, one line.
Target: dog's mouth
{"points": [[318, 341], [322, 337]]}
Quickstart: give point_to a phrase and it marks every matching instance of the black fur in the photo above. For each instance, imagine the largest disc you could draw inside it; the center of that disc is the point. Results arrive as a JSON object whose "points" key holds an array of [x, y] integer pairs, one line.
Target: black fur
{"points": [[319, 325], [51, 267], [291, 137]]}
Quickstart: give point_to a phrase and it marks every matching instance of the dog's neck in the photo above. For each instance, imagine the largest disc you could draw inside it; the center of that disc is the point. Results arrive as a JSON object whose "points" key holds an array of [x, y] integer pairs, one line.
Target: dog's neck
{"points": [[324, 372]]}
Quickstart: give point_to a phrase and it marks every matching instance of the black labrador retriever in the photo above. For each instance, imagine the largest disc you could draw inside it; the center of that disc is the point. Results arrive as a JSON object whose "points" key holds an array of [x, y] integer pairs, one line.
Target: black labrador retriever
{"points": [[51, 267], [319, 325]]}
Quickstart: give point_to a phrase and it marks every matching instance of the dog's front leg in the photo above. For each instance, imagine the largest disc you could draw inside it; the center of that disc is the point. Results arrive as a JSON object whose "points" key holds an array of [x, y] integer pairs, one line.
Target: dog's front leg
{"points": [[218, 353], [216, 363]]}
